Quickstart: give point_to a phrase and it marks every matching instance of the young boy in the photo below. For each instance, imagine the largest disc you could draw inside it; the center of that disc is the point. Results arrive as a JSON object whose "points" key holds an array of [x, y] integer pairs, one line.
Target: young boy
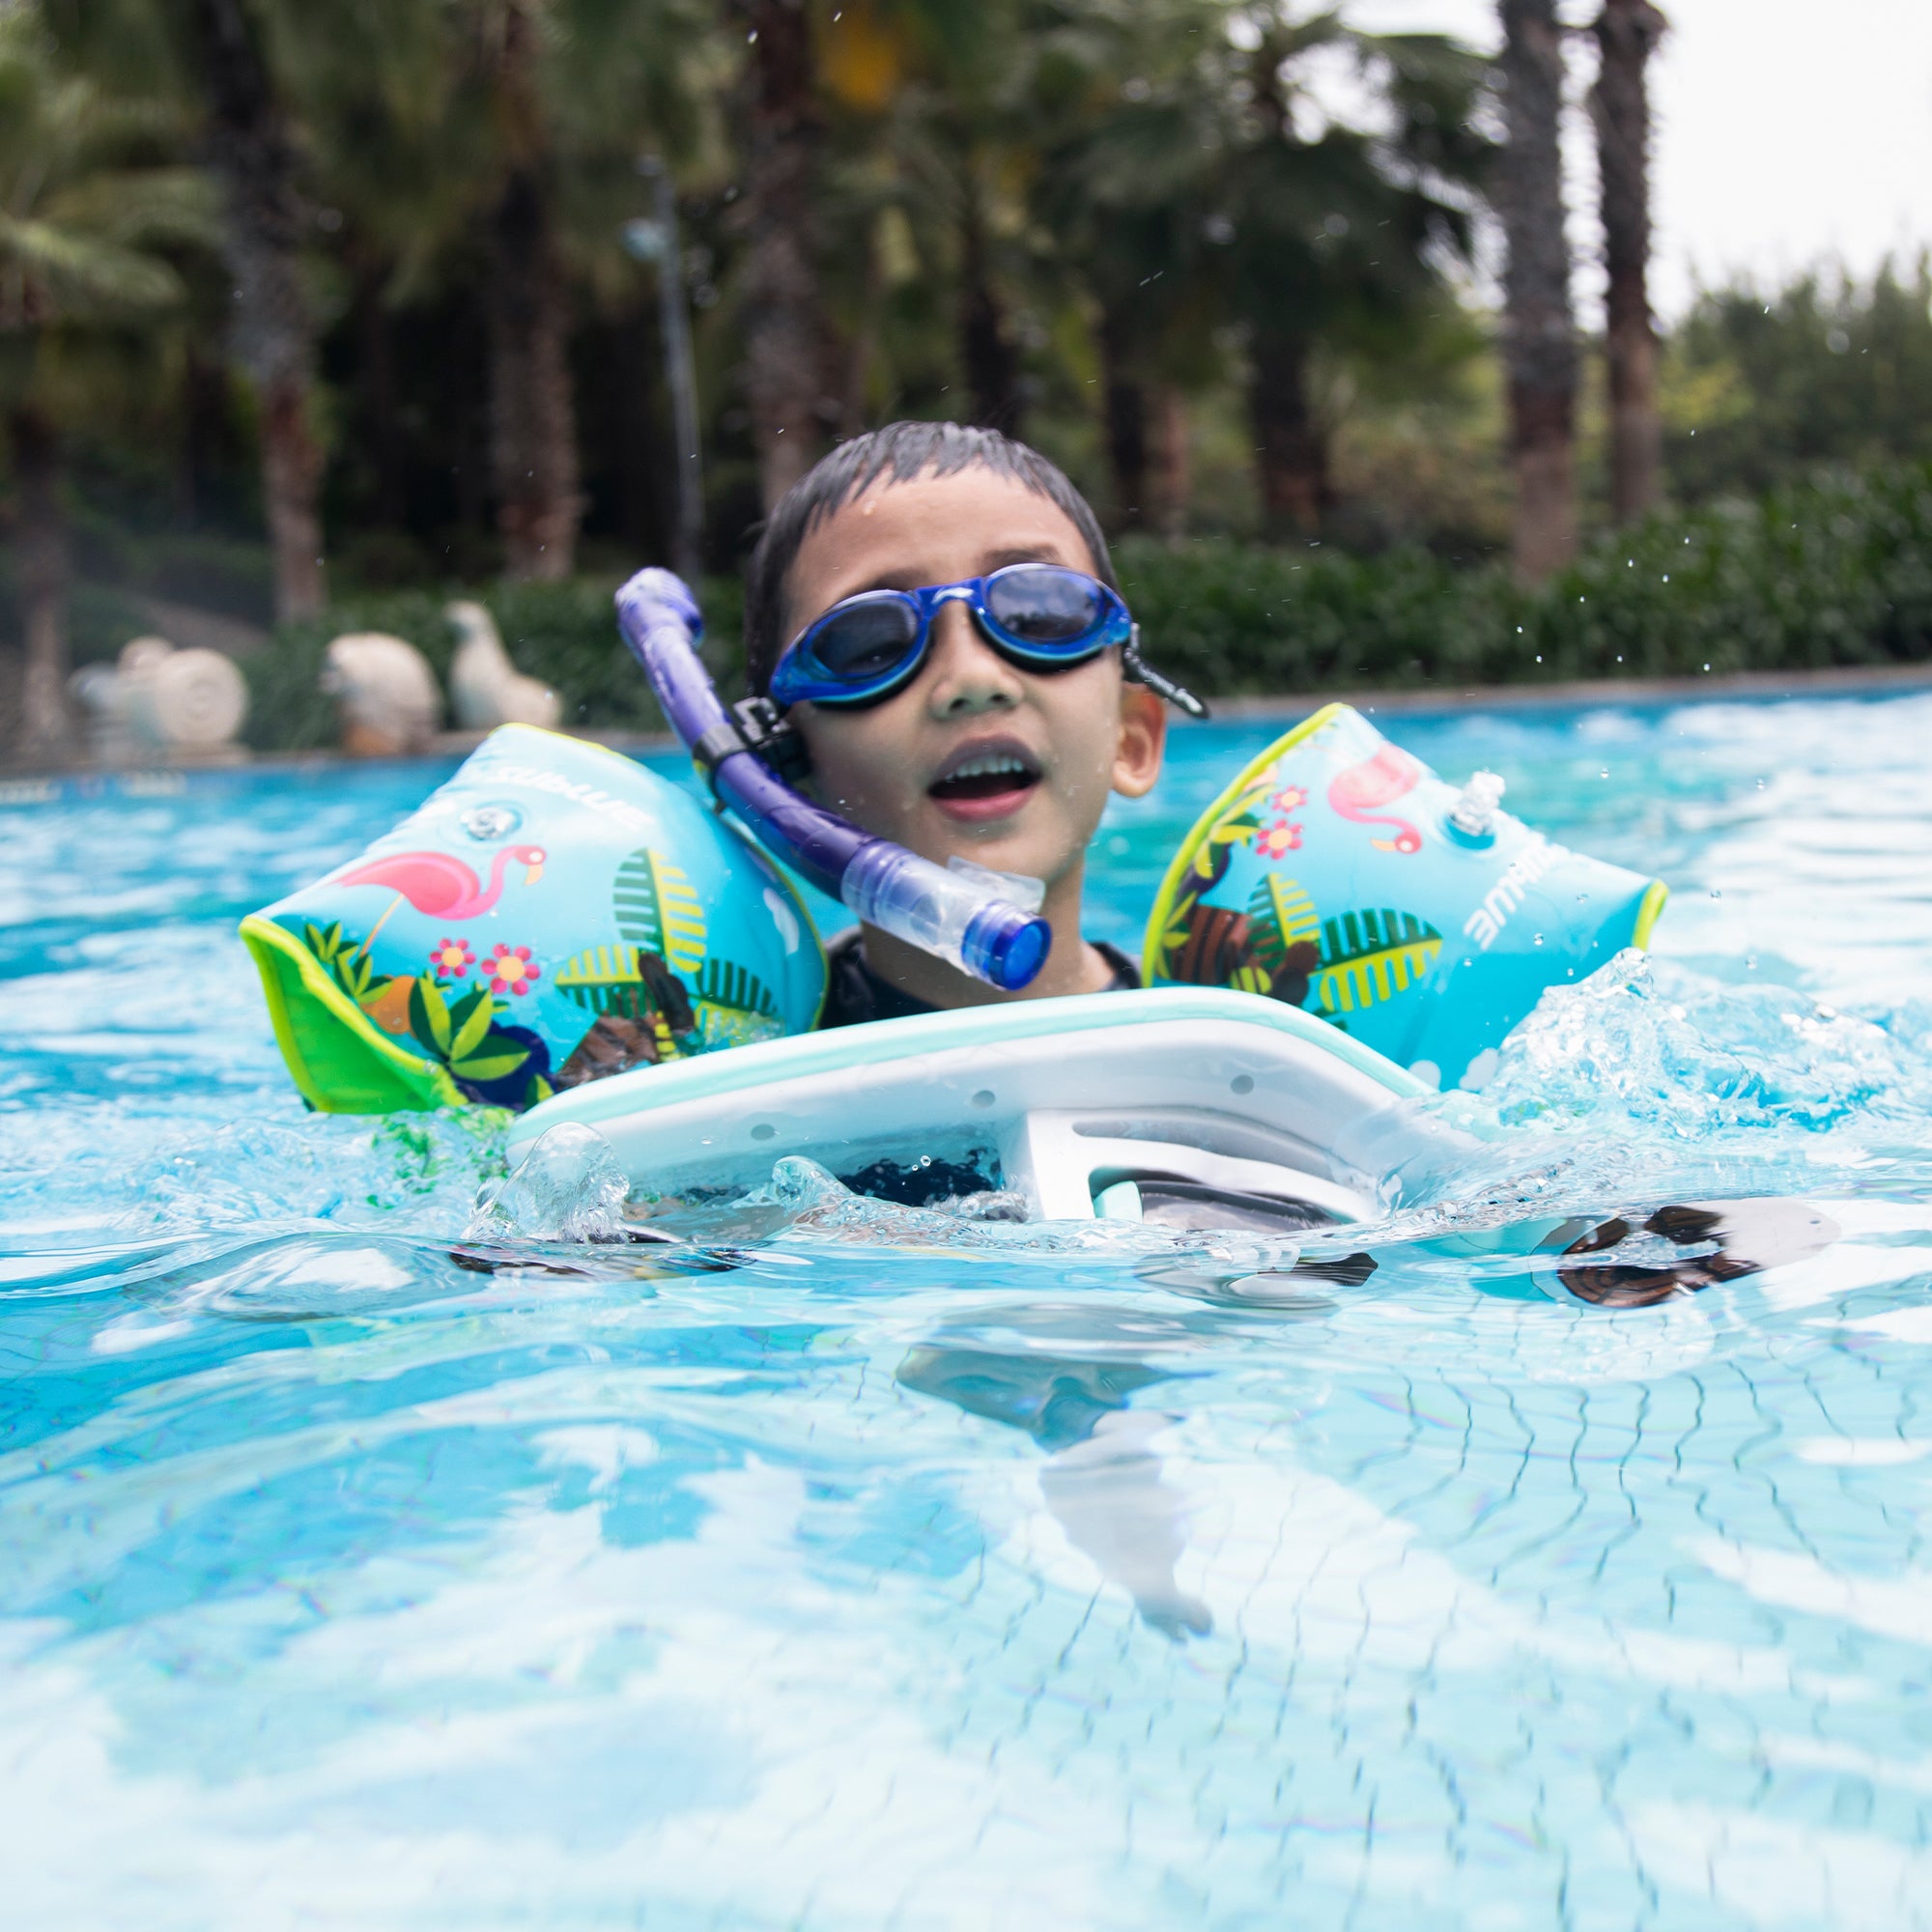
{"points": [[962, 734]]}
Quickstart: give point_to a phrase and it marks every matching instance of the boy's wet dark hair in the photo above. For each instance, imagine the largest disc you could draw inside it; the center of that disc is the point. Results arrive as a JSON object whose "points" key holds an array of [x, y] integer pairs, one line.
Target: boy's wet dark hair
{"points": [[900, 451]]}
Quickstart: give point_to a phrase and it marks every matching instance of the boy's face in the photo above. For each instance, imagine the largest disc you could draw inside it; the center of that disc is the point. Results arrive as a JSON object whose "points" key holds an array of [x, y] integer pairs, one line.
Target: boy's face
{"points": [[1007, 767]]}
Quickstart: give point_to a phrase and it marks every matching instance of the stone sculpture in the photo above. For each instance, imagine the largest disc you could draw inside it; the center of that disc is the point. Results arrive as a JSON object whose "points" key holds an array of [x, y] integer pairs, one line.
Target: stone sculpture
{"points": [[155, 700], [486, 689], [386, 700]]}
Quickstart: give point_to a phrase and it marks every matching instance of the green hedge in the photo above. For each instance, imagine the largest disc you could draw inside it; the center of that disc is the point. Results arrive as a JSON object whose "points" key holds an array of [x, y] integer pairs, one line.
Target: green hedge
{"points": [[1837, 571]]}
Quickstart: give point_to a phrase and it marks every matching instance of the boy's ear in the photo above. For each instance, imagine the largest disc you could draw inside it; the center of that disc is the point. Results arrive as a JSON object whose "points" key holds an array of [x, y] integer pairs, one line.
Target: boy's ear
{"points": [[1141, 742]]}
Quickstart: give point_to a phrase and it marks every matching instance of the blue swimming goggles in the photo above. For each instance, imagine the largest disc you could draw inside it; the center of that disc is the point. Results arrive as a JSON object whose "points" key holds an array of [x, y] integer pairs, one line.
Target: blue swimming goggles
{"points": [[1040, 616]]}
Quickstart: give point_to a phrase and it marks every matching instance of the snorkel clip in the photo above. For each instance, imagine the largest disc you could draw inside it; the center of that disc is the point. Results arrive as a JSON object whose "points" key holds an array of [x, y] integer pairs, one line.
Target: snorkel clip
{"points": [[754, 724]]}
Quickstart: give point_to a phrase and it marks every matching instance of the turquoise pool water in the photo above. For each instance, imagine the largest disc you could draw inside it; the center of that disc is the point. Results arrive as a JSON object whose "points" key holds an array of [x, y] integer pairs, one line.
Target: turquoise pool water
{"points": [[824, 1578]]}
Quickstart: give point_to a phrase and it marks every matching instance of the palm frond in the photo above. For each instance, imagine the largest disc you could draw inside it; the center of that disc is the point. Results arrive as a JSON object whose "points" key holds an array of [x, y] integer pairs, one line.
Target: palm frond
{"points": [[82, 277]]}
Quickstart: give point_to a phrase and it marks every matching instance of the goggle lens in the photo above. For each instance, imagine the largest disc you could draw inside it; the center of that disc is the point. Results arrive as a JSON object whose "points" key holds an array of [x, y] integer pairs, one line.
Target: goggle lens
{"points": [[1042, 604], [867, 636]]}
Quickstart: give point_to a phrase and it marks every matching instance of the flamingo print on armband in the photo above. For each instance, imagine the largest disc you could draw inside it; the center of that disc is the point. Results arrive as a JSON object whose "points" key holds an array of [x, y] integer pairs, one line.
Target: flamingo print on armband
{"points": [[1357, 793], [440, 885]]}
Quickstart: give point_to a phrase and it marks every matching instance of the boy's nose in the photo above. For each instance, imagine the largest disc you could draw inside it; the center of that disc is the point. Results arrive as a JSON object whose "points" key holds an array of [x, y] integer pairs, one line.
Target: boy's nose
{"points": [[967, 675]]}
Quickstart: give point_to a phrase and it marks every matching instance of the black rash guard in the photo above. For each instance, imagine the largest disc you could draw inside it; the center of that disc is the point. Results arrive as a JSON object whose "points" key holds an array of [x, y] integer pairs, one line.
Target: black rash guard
{"points": [[854, 993]]}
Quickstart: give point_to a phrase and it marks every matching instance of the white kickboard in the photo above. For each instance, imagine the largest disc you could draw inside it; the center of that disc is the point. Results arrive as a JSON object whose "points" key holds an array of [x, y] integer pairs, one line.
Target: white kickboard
{"points": [[1222, 1089]]}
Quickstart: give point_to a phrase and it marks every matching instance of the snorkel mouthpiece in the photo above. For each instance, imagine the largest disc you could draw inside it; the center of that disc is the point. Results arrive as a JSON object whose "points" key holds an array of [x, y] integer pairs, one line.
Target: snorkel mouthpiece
{"points": [[944, 913], [941, 912]]}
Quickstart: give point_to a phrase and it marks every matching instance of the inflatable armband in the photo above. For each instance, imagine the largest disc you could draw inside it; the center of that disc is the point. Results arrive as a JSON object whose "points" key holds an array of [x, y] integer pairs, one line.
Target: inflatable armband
{"points": [[1340, 874], [554, 910]]}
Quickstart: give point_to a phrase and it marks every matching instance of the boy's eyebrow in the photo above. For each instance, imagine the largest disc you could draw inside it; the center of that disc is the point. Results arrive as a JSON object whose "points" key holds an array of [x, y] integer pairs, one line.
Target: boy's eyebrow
{"points": [[903, 579], [908, 580]]}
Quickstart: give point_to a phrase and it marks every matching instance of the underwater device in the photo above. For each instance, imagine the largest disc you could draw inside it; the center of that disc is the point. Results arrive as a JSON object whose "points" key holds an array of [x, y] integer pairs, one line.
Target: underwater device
{"points": [[1193, 1107], [948, 913], [1186, 1108]]}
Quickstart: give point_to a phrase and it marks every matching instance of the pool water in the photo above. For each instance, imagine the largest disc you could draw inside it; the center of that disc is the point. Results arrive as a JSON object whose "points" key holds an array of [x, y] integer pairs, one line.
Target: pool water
{"points": [[841, 1573]]}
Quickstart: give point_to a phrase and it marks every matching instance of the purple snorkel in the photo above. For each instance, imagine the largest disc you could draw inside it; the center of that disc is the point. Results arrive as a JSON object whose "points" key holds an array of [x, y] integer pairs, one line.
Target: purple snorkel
{"points": [[942, 912]]}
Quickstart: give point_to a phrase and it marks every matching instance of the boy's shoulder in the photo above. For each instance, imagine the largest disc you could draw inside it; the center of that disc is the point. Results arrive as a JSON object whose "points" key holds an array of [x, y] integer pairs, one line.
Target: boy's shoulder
{"points": [[855, 994]]}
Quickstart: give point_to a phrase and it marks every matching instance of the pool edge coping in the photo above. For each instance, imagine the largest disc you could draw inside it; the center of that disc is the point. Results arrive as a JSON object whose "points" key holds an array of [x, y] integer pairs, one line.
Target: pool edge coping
{"points": [[1833, 680]]}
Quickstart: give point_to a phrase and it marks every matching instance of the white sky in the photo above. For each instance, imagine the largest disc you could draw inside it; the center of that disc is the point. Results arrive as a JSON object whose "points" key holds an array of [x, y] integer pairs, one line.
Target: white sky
{"points": [[1787, 132]]}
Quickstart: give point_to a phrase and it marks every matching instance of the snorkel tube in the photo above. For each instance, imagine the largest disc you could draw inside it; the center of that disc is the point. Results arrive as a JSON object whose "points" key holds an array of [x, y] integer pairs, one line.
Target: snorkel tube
{"points": [[942, 912]]}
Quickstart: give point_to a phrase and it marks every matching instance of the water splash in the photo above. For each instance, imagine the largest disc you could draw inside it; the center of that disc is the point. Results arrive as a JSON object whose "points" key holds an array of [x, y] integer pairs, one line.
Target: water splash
{"points": [[569, 1187], [110, 1172], [1648, 1043]]}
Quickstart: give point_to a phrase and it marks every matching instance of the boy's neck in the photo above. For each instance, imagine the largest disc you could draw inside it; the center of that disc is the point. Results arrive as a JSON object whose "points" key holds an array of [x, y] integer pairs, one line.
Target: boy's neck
{"points": [[1072, 966]]}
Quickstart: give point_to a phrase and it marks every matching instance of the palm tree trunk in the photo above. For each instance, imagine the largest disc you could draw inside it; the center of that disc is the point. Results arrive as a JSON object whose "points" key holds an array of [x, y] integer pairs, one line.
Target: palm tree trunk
{"points": [[1291, 445], [986, 346], [1539, 329], [786, 333], [861, 346], [205, 432], [1124, 407], [381, 417], [252, 155], [45, 729], [532, 422], [1628, 32], [1171, 484]]}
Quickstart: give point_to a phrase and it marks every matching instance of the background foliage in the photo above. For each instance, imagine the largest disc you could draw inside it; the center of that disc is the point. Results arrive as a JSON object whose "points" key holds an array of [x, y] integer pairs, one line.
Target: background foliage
{"points": [[1830, 572], [1111, 225]]}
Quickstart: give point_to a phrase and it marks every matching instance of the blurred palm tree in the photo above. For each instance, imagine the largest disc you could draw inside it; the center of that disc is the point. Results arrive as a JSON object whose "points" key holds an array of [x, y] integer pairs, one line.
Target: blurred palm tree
{"points": [[1538, 337], [1341, 232], [93, 203], [213, 61], [1134, 127], [1628, 32], [964, 142], [886, 141], [250, 147], [1198, 172], [788, 348], [509, 128]]}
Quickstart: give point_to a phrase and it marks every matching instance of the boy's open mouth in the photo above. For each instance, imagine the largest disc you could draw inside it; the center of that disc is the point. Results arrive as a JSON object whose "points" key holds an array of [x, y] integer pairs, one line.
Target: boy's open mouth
{"points": [[984, 781]]}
